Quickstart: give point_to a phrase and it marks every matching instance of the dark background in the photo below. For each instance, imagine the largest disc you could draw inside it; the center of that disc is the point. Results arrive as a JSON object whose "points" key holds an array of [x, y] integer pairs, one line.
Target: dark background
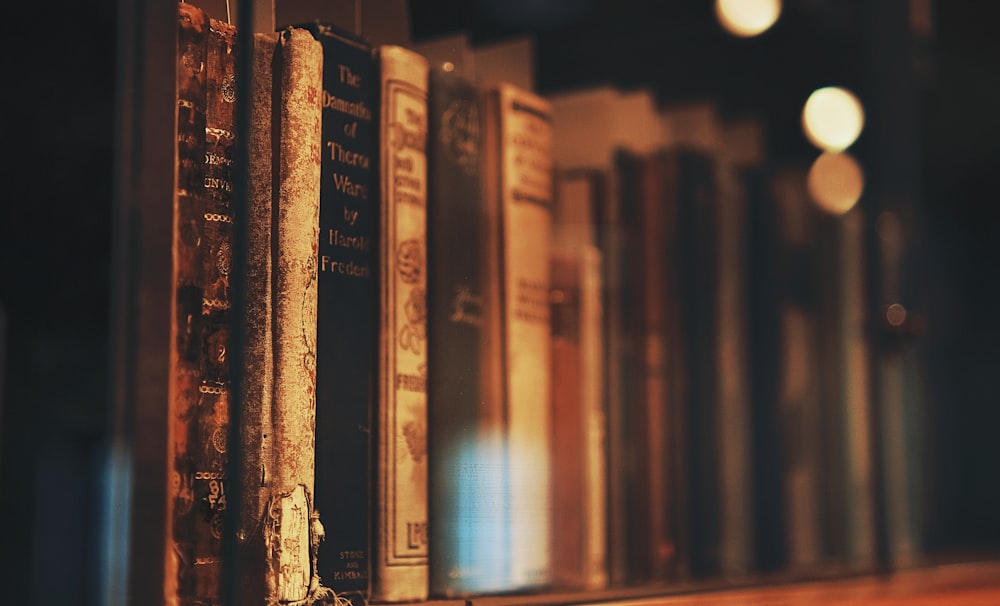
{"points": [[933, 125]]}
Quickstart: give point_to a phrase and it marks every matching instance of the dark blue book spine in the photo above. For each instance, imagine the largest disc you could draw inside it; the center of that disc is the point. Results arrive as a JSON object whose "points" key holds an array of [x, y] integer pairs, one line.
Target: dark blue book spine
{"points": [[346, 323]]}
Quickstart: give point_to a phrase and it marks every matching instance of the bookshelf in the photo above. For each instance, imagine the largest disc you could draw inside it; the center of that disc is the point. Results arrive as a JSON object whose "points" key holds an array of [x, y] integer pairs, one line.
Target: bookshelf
{"points": [[953, 504]]}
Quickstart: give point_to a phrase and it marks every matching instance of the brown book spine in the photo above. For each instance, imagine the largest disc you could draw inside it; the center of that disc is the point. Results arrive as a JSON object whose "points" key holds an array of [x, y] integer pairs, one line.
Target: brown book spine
{"points": [[185, 355], [400, 570], [216, 255], [579, 480], [256, 438]]}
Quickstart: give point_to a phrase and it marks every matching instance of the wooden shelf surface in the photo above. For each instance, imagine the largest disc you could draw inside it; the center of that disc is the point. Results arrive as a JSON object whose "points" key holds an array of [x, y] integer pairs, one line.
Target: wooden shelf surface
{"points": [[958, 584]]}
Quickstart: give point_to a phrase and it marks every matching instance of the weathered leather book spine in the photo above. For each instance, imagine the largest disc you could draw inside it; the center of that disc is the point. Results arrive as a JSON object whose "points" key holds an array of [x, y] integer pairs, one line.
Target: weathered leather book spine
{"points": [[185, 355]]}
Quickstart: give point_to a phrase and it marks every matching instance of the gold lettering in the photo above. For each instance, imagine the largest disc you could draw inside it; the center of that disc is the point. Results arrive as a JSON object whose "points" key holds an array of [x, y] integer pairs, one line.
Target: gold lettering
{"points": [[345, 241], [355, 109], [343, 183], [355, 270], [348, 77], [339, 153]]}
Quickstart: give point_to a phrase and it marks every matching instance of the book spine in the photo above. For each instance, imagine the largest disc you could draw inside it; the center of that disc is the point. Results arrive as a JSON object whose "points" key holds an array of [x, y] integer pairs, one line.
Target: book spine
{"points": [[734, 419], [185, 359], [347, 294], [524, 155], [462, 516], [653, 413], [296, 227], [578, 427], [256, 437], [629, 424], [400, 569], [595, 571], [213, 404], [698, 301]]}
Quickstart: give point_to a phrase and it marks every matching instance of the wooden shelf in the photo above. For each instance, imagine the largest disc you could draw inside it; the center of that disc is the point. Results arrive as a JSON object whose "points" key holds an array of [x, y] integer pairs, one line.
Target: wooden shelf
{"points": [[954, 584]]}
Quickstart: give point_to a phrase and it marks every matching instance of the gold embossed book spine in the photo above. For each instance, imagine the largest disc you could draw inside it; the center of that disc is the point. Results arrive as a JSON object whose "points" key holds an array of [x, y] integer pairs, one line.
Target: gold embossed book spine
{"points": [[400, 570], [216, 254]]}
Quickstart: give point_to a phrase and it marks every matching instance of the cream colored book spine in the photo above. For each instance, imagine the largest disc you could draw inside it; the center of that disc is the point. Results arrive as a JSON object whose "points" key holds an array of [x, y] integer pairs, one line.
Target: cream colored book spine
{"points": [[400, 571], [522, 156]]}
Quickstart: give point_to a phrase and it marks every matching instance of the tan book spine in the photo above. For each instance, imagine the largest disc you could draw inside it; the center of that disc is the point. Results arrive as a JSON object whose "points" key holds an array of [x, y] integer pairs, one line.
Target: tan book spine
{"points": [[522, 156], [595, 571], [282, 312], [296, 227], [400, 570]]}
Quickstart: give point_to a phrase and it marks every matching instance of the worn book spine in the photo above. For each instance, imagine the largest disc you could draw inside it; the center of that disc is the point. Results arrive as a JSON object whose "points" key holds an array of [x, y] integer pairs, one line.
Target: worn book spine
{"points": [[185, 357], [522, 157], [347, 313], [296, 227], [463, 517], [256, 440], [400, 537], [216, 255], [279, 394]]}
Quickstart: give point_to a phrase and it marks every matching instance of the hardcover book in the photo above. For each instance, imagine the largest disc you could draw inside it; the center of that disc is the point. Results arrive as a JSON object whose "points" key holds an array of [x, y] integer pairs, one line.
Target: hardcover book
{"points": [[602, 133], [578, 426], [185, 355], [400, 486], [216, 255], [284, 223], [347, 323], [463, 501], [518, 148]]}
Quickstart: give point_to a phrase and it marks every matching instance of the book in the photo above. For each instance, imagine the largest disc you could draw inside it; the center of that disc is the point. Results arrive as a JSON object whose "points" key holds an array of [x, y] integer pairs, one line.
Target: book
{"points": [[399, 566], [464, 490], [185, 353], [799, 401], [216, 259], [284, 237], [518, 185], [256, 437], [578, 420], [347, 323], [604, 134], [579, 424]]}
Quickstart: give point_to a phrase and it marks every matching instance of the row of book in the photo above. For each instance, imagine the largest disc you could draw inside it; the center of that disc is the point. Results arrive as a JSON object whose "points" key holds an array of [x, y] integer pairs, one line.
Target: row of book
{"points": [[493, 341]]}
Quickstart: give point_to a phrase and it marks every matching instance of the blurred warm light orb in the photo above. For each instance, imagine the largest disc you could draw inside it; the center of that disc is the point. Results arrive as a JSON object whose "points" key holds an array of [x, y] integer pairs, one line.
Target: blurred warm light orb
{"points": [[832, 118], [747, 18], [835, 182], [895, 314]]}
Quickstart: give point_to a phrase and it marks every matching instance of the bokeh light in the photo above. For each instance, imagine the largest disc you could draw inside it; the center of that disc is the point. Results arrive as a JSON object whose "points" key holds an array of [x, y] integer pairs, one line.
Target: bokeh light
{"points": [[835, 182], [747, 18], [832, 118]]}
